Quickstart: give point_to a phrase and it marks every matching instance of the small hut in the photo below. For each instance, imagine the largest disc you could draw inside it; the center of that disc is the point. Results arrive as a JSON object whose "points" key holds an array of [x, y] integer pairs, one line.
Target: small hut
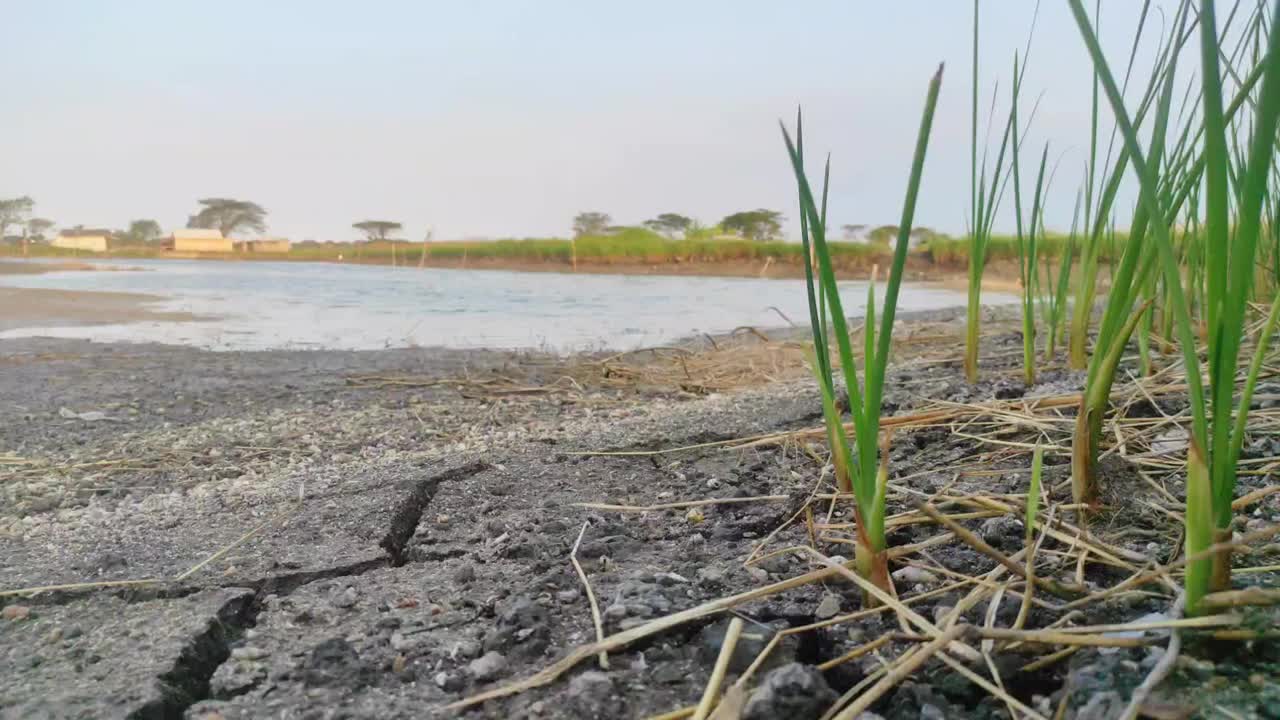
{"points": [[271, 246], [81, 239], [199, 240]]}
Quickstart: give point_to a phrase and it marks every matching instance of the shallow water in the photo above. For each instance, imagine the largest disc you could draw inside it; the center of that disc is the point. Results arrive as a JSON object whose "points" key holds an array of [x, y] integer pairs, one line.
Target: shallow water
{"points": [[270, 305]]}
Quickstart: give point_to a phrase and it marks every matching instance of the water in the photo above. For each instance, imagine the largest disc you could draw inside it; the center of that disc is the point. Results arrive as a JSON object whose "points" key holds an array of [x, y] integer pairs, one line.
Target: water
{"points": [[269, 305]]}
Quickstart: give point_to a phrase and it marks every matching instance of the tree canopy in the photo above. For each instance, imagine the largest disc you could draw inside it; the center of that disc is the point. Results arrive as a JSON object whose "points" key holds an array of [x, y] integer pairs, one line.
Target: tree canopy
{"points": [[14, 211], [229, 216], [36, 227], [883, 235], [853, 230], [377, 229], [591, 223], [669, 224], [140, 232], [759, 224]]}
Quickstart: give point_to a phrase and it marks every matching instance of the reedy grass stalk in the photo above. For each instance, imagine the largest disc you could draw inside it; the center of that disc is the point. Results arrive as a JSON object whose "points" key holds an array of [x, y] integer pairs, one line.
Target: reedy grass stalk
{"points": [[1129, 277], [985, 197], [1055, 302], [1229, 258], [1029, 534], [861, 469]]}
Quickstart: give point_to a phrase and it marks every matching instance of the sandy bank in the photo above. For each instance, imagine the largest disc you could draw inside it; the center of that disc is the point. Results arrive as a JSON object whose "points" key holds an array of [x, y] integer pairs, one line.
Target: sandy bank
{"points": [[44, 307]]}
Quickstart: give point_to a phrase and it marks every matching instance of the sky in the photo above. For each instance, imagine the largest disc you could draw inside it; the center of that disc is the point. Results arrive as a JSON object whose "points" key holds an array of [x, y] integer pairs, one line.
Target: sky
{"points": [[504, 118]]}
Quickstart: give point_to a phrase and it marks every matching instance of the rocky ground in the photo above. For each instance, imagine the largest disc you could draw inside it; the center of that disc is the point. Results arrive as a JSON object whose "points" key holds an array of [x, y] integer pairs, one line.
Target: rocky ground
{"points": [[264, 538]]}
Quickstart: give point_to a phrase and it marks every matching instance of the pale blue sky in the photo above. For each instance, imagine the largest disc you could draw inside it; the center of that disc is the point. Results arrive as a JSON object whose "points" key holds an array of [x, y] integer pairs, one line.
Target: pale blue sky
{"points": [[505, 117]]}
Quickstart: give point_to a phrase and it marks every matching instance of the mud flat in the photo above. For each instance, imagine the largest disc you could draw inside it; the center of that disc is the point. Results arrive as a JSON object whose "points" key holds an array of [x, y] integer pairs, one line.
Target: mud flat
{"points": [[388, 534]]}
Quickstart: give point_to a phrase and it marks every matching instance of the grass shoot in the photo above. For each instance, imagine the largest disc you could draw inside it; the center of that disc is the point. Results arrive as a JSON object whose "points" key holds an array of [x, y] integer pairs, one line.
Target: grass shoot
{"points": [[861, 468]]}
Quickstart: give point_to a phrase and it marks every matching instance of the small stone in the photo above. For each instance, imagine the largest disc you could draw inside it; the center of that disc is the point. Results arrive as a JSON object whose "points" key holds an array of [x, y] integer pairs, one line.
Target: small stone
{"points": [[615, 612], [669, 578], [912, 575], [54, 636], [694, 515], [464, 574], [794, 691], [712, 483], [940, 612], [1257, 680], [828, 608], [248, 652], [398, 664], [400, 643], [567, 596], [449, 682], [710, 576], [346, 599], [442, 519], [487, 666], [1003, 532], [72, 632], [591, 695], [758, 574], [16, 612]]}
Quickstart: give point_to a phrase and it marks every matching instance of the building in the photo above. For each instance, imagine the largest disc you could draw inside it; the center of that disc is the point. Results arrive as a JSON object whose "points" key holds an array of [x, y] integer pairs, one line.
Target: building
{"points": [[199, 240], [81, 239], [277, 246]]}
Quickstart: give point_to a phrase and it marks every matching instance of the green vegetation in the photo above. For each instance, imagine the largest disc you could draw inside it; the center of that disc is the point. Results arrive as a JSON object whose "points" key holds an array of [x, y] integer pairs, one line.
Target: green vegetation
{"points": [[229, 216], [1230, 180], [861, 469]]}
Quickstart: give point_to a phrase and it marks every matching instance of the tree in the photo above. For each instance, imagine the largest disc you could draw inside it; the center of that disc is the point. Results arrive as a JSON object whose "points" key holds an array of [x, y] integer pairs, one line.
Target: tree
{"points": [[759, 224], [229, 216], [591, 223], [14, 211], [669, 224], [376, 230], [36, 228], [140, 232], [883, 235], [853, 232]]}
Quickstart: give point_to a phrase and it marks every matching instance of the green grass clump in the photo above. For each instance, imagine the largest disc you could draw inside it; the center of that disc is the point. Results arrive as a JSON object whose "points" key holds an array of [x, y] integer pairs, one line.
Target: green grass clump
{"points": [[862, 469], [1230, 180]]}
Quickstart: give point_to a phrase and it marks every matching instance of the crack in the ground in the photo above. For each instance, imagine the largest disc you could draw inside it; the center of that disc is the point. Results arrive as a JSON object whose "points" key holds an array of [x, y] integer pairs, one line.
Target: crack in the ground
{"points": [[409, 513], [188, 680]]}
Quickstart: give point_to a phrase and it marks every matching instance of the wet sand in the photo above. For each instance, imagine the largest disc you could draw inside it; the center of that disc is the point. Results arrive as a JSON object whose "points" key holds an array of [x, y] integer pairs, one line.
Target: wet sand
{"points": [[44, 307], [40, 268]]}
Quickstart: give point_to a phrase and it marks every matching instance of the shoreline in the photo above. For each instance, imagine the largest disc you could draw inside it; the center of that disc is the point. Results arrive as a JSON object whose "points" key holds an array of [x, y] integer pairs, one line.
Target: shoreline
{"points": [[34, 308], [398, 516], [918, 268]]}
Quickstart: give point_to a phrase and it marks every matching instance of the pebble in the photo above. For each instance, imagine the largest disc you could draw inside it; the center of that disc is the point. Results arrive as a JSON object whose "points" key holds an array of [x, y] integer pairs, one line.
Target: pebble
{"points": [[794, 691], [591, 693], [567, 596], [16, 612], [248, 652], [487, 666], [758, 574], [914, 575], [346, 599], [615, 612], [710, 576], [448, 682], [712, 484], [940, 612], [464, 574], [829, 607]]}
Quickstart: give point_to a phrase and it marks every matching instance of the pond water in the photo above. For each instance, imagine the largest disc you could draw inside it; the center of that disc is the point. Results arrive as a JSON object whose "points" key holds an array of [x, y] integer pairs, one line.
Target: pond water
{"points": [[270, 305]]}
